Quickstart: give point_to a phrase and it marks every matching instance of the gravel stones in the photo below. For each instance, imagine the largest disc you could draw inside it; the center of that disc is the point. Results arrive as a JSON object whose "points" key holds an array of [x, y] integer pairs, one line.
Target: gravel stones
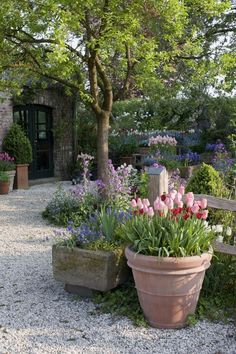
{"points": [[38, 317]]}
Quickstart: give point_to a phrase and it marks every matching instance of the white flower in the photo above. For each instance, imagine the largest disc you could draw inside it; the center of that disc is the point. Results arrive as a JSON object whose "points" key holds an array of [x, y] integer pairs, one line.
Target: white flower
{"points": [[220, 238], [228, 231], [219, 228]]}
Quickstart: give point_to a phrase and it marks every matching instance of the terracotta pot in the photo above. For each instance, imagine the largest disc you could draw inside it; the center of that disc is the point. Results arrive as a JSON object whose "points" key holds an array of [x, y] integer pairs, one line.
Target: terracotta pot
{"points": [[168, 287], [4, 187], [11, 175], [21, 181]]}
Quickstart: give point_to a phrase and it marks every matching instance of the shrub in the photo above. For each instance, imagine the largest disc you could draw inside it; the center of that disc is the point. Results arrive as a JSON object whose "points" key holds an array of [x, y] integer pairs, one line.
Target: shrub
{"points": [[18, 145], [208, 181], [66, 206]]}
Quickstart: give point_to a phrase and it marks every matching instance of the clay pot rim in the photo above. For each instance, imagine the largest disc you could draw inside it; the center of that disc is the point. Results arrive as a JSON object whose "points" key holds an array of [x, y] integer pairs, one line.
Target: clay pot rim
{"points": [[22, 164], [168, 260]]}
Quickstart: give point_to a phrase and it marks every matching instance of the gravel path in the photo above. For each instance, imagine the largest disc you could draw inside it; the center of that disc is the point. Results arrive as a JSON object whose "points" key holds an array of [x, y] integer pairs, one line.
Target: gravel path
{"points": [[38, 316]]}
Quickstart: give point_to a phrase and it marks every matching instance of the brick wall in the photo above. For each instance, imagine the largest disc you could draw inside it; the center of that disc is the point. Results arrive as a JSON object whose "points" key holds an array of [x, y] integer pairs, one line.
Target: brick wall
{"points": [[62, 112], [6, 115]]}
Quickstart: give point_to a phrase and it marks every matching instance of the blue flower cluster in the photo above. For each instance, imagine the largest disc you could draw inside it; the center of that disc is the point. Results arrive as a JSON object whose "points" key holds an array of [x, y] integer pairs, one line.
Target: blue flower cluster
{"points": [[92, 230], [215, 147], [189, 157]]}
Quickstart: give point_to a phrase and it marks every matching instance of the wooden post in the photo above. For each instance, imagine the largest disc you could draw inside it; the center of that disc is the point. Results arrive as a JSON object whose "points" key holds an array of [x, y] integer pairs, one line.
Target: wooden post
{"points": [[158, 183]]}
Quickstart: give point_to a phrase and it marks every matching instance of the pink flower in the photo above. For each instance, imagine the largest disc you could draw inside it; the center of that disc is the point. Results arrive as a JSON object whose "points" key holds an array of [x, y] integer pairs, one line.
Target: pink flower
{"points": [[159, 204], [181, 190], [203, 202], [204, 214], [139, 203], [169, 203], [146, 202], [178, 198], [195, 208], [172, 194], [189, 203], [180, 204], [189, 195], [145, 209], [133, 203], [150, 212]]}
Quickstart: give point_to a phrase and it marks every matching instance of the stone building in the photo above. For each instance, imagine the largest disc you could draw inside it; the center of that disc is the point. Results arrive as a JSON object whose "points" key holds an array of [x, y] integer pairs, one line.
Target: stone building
{"points": [[48, 118]]}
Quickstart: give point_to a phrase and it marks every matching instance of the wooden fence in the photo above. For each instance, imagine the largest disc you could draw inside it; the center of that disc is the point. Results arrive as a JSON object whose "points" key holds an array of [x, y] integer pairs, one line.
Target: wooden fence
{"points": [[223, 204]]}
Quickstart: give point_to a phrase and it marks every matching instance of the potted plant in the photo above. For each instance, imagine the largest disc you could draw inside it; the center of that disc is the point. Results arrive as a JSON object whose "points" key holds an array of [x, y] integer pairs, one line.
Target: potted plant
{"points": [[4, 183], [189, 164], [17, 145], [128, 147], [90, 257], [7, 164], [169, 251]]}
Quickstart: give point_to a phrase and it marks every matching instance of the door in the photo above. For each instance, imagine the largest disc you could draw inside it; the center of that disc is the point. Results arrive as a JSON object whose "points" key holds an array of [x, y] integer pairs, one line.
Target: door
{"points": [[37, 123]]}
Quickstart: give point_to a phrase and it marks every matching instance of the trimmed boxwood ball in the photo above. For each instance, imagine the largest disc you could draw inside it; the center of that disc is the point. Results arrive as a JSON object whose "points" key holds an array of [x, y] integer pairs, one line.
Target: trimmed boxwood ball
{"points": [[17, 145], [207, 181]]}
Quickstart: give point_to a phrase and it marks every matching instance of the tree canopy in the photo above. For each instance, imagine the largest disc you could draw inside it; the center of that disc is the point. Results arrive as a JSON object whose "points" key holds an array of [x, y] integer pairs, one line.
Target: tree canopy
{"points": [[106, 50]]}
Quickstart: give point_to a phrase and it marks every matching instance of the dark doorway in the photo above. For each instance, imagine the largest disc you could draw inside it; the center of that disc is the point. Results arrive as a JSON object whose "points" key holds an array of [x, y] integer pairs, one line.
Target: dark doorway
{"points": [[37, 123]]}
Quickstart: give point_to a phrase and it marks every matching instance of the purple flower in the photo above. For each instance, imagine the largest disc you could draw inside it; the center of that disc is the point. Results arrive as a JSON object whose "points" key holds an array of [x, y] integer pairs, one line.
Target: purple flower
{"points": [[4, 156]]}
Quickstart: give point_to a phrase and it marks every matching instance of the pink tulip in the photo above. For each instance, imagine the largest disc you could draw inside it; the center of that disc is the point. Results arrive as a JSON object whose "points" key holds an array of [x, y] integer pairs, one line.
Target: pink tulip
{"points": [[159, 204], [172, 194], [145, 209], [203, 202], [169, 203], [195, 208], [180, 204], [178, 198], [146, 202], [181, 190], [150, 212], [139, 203], [189, 203], [204, 214], [133, 203], [189, 195]]}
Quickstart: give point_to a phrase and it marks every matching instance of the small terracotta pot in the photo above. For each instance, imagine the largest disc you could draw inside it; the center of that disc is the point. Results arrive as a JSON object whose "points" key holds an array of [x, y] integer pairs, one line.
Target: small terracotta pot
{"points": [[21, 180], [168, 287], [4, 187]]}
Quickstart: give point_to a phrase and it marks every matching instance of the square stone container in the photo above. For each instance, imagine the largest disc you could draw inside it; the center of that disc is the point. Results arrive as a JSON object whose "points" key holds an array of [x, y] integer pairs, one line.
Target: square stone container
{"points": [[83, 271]]}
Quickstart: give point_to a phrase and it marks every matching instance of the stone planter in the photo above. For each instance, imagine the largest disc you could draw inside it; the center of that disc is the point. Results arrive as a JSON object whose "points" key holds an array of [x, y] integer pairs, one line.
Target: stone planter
{"points": [[11, 175], [21, 180], [83, 271], [188, 171], [168, 287], [4, 187]]}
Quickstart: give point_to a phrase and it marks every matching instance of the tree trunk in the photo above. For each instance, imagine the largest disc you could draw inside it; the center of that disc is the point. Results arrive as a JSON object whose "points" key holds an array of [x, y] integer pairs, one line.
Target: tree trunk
{"points": [[102, 145]]}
